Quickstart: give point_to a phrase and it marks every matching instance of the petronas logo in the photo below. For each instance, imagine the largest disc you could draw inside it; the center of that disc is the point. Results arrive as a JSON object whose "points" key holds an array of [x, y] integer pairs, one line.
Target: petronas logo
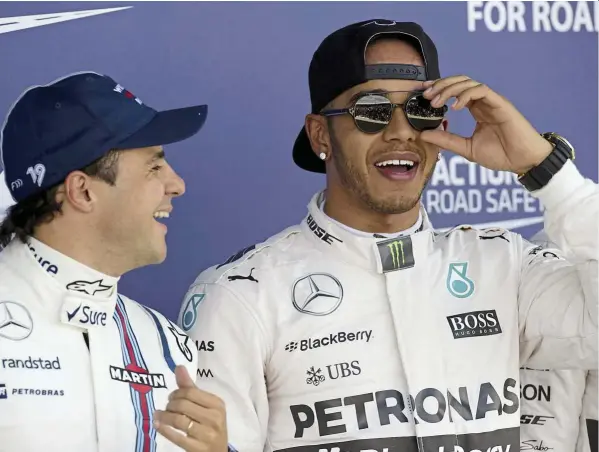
{"points": [[458, 283]]}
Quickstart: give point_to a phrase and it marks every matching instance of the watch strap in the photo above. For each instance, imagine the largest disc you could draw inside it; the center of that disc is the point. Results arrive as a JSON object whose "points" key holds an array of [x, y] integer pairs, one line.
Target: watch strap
{"points": [[540, 175]]}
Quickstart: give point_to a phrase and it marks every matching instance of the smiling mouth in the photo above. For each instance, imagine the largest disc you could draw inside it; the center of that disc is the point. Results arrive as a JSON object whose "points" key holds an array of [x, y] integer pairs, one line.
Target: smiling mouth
{"points": [[403, 165], [160, 216], [398, 169]]}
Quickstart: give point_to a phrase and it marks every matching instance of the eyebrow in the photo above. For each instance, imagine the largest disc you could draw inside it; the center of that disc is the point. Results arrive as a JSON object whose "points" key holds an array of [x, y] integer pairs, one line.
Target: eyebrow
{"points": [[368, 91], [157, 156]]}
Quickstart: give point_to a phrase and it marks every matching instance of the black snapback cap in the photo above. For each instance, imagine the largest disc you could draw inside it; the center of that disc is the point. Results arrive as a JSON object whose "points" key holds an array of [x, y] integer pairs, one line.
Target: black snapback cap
{"points": [[339, 64]]}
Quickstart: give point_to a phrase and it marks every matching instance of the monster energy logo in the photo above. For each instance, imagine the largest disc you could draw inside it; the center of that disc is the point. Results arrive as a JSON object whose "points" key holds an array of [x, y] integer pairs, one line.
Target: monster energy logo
{"points": [[396, 250], [396, 254]]}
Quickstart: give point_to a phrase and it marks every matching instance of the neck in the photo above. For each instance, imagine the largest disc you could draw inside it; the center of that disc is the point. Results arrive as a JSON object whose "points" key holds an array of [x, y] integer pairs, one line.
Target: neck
{"points": [[70, 273], [354, 213], [89, 251]]}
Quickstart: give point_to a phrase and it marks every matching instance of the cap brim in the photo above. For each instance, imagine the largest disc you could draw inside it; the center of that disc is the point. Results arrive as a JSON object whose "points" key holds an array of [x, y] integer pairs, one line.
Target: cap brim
{"points": [[304, 156], [167, 127]]}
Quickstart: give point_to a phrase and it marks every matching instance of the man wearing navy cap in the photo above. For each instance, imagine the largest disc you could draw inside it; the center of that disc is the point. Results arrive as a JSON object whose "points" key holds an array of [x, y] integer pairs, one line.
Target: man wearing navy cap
{"points": [[363, 328], [83, 368]]}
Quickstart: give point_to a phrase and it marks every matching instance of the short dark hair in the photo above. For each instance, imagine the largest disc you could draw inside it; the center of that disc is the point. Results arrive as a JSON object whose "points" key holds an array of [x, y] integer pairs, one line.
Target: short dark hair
{"points": [[22, 218]]}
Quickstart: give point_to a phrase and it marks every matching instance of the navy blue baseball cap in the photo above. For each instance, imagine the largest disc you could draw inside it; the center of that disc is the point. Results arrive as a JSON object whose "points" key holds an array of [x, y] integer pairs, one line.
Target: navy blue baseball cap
{"points": [[69, 123]]}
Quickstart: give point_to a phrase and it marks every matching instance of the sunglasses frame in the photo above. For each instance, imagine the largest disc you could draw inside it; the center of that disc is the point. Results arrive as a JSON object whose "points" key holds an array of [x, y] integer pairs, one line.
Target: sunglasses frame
{"points": [[352, 110]]}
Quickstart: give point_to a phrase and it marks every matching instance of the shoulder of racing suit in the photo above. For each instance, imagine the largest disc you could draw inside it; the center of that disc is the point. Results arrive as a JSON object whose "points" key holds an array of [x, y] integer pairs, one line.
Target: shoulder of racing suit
{"points": [[279, 249], [170, 335], [486, 233]]}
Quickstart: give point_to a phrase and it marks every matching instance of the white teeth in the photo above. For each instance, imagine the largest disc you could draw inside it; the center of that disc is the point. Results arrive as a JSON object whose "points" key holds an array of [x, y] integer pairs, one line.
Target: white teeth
{"points": [[396, 163], [161, 215], [388, 163]]}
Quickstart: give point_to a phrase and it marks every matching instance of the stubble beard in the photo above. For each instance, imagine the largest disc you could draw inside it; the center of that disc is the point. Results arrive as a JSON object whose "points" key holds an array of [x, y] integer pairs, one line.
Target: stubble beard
{"points": [[355, 182]]}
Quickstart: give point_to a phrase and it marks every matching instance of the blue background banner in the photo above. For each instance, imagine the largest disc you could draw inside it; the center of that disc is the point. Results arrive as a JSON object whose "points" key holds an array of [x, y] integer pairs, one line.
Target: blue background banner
{"points": [[249, 63]]}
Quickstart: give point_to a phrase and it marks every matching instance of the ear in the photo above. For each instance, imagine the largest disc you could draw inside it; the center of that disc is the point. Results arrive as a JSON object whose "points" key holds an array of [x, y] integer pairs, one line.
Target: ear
{"points": [[78, 191], [318, 134]]}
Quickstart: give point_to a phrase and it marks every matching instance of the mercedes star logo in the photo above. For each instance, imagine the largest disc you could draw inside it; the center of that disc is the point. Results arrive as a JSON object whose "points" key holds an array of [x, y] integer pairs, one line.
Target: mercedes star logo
{"points": [[317, 294], [15, 321]]}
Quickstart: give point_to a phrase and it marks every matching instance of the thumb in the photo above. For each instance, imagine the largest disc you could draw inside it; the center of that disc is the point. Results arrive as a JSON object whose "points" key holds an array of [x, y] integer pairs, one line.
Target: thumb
{"points": [[449, 141], [183, 378]]}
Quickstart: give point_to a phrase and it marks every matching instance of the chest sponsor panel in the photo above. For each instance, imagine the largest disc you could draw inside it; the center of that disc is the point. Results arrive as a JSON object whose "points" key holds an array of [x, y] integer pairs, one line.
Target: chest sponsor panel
{"points": [[387, 408], [10, 391], [31, 363], [319, 341], [504, 440], [139, 378]]}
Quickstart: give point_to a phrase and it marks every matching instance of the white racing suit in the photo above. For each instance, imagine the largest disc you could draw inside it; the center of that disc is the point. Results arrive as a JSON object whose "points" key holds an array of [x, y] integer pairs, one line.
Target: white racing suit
{"points": [[319, 339], [553, 414], [551, 406], [82, 368]]}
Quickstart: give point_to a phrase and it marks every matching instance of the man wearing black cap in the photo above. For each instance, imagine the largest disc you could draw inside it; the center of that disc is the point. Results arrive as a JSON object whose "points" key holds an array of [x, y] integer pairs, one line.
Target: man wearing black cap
{"points": [[83, 368], [363, 329]]}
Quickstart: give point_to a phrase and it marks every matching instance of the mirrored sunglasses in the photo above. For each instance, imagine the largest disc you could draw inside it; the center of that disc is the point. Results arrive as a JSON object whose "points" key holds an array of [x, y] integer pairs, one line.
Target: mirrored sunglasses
{"points": [[372, 112]]}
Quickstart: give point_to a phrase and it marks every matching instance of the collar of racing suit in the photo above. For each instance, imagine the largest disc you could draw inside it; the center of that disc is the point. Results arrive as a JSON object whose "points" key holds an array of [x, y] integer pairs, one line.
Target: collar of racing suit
{"points": [[414, 228], [368, 251], [72, 292]]}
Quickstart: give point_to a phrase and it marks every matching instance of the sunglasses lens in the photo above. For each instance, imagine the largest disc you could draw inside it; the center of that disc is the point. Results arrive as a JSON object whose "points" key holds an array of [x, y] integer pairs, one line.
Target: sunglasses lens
{"points": [[422, 115], [372, 113]]}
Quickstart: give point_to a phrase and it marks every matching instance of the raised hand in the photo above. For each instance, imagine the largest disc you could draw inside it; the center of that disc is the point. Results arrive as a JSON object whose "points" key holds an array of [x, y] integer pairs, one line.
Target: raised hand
{"points": [[503, 139], [194, 420]]}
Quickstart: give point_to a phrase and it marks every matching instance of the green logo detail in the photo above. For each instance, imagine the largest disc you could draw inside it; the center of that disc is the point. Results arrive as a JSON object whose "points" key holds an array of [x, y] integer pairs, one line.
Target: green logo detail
{"points": [[458, 284], [397, 253], [190, 313]]}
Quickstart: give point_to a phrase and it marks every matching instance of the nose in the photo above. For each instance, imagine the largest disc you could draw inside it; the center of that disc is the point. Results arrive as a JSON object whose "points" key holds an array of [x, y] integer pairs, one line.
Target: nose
{"points": [[399, 128], [175, 185]]}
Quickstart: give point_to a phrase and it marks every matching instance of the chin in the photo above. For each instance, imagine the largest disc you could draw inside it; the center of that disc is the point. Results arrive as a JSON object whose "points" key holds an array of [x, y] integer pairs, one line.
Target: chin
{"points": [[395, 203], [161, 256], [156, 252], [159, 259]]}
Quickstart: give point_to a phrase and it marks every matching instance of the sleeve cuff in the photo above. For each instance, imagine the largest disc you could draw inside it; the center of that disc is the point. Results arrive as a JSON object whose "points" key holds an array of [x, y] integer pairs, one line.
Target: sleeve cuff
{"points": [[561, 186]]}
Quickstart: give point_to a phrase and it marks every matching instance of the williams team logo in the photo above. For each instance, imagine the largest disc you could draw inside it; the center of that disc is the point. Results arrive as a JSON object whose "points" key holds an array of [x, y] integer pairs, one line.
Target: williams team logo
{"points": [[458, 283]]}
